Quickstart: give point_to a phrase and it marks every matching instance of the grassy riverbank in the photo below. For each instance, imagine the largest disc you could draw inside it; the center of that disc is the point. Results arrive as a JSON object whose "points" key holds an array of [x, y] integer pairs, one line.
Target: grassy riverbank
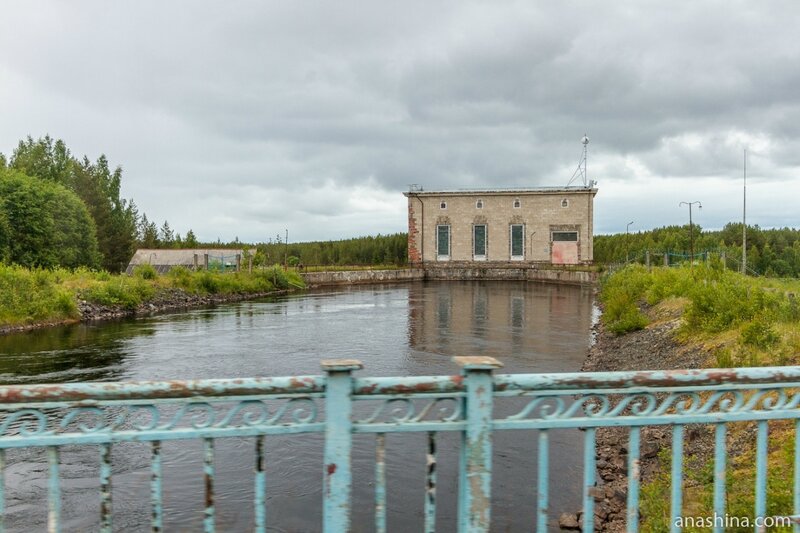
{"points": [[49, 296], [735, 321]]}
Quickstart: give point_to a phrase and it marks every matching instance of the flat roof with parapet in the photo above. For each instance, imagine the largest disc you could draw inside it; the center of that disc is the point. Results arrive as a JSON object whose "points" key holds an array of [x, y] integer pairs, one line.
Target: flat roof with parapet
{"points": [[503, 191]]}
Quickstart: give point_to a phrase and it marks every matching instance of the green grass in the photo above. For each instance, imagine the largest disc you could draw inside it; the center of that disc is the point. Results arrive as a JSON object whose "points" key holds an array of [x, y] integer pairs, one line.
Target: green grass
{"points": [[742, 321], [34, 296], [28, 296], [718, 301]]}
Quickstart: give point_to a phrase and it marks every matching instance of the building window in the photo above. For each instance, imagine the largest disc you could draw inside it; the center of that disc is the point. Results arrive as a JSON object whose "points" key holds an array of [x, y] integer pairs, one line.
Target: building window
{"points": [[443, 205], [517, 242], [517, 203], [442, 242], [479, 204], [565, 236], [479, 242], [564, 203]]}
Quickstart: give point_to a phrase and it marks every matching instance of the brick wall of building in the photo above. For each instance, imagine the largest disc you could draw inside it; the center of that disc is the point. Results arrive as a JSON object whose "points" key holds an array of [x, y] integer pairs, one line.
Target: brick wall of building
{"points": [[414, 254]]}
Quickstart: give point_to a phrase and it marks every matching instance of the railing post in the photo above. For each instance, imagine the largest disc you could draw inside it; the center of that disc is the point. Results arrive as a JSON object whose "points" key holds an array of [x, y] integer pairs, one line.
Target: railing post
{"points": [[475, 469], [338, 440]]}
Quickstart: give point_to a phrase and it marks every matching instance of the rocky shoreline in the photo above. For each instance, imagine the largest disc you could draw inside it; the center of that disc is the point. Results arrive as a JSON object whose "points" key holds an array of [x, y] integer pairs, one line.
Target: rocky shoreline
{"points": [[166, 300], [653, 348]]}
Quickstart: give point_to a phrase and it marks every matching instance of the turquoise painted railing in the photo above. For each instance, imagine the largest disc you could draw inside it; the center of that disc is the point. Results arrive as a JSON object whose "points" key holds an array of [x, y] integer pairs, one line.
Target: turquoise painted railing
{"points": [[340, 405]]}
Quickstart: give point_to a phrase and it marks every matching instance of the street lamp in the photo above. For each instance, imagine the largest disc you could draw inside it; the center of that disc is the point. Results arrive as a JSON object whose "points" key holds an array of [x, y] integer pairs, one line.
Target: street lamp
{"points": [[691, 233], [627, 245]]}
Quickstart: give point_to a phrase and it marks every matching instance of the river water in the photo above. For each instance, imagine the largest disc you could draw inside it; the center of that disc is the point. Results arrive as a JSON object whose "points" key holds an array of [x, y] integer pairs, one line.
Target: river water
{"points": [[396, 330]]}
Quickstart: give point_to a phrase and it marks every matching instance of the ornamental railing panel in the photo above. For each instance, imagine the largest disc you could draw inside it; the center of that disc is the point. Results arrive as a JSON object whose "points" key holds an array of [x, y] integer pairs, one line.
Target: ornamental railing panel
{"points": [[475, 403]]}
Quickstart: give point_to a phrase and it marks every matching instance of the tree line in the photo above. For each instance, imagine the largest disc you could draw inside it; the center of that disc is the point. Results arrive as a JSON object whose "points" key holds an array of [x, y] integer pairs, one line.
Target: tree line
{"points": [[60, 210], [770, 252], [372, 250]]}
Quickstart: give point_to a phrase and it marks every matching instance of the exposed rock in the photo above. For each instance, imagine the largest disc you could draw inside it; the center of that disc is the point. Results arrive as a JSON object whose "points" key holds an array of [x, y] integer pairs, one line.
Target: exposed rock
{"points": [[569, 522], [652, 348]]}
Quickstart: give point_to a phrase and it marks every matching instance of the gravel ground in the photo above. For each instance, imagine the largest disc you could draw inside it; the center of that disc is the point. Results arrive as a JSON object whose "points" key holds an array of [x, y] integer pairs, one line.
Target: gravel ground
{"points": [[652, 348]]}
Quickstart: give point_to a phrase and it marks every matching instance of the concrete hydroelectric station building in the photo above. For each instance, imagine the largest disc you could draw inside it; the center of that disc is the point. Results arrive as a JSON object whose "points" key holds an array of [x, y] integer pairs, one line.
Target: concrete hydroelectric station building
{"points": [[501, 227]]}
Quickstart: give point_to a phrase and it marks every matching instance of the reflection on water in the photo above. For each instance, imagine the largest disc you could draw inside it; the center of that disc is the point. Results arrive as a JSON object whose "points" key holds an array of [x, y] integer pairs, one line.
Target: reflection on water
{"points": [[404, 330], [67, 353]]}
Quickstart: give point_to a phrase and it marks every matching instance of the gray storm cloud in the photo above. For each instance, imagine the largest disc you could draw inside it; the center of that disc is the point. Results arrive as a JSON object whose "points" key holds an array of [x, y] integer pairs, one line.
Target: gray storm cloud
{"points": [[246, 118]]}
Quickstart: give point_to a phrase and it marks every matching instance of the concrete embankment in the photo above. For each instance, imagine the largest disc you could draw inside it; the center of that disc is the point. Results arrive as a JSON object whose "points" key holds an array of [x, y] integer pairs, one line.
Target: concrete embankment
{"points": [[354, 277], [452, 272]]}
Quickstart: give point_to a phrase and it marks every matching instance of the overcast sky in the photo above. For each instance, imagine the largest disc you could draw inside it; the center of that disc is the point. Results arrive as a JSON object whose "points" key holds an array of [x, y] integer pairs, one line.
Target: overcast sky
{"points": [[248, 118]]}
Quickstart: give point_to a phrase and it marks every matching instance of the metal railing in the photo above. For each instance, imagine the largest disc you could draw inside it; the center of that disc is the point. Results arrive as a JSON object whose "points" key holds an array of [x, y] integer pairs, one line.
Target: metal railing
{"points": [[339, 405]]}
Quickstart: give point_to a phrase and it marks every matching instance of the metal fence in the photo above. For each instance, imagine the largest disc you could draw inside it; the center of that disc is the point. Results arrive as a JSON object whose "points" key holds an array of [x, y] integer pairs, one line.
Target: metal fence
{"points": [[340, 405]]}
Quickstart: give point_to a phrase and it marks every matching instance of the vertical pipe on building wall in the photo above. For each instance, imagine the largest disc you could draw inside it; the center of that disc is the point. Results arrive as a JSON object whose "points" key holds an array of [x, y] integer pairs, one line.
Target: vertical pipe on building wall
{"points": [[421, 246], [338, 442]]}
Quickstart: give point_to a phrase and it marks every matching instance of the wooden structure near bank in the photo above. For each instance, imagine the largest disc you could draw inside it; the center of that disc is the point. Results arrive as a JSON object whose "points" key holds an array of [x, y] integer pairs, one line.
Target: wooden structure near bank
{"points": [[163, 260]]}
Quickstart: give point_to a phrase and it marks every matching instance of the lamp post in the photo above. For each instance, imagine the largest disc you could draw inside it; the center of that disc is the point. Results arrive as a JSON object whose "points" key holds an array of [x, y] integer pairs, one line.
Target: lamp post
{"points": [[627, 243], [691, 233]]}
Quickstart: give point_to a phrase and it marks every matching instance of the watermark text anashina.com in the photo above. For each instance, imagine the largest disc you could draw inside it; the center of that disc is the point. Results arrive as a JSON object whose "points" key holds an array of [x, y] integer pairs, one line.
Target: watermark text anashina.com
{"points": [[727, 521]]}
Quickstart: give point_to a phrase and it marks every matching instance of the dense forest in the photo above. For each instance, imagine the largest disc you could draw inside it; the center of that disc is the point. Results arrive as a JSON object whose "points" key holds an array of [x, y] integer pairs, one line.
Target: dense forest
{"points": [[377, 250], [770, 252]]}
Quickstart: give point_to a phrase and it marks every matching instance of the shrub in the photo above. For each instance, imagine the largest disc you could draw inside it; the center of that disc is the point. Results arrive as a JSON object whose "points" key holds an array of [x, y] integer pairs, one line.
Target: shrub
{"points": [[128, 292], [181, 277], [759, 334], [28, 296], [145, 272], [620, 295]]}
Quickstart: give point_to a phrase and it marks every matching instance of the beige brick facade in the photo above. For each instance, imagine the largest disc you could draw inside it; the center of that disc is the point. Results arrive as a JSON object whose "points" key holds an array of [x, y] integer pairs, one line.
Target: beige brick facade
{"points": [[550, 225]]}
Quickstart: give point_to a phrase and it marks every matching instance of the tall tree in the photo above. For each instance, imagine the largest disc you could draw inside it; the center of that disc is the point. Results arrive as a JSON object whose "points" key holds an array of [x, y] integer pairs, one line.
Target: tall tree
{"points": [[191, 239], [167, 236], [148, 233], [44, 158], [46, 225], [96, 185]]}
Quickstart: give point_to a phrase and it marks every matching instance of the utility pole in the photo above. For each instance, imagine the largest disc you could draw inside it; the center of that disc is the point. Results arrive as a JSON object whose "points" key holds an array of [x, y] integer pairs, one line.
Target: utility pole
{"points": [[744, 217], [627, 244], [286, 252], [691, 232]]}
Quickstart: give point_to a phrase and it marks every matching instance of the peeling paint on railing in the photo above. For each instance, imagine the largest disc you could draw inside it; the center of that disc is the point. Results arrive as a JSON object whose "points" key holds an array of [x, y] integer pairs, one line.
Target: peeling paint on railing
{"points": [[340, 405]]}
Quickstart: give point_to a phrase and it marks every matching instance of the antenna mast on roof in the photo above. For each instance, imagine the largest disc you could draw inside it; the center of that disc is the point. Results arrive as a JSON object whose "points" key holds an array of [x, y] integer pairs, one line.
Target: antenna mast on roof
{"points": [[580, 172]]}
